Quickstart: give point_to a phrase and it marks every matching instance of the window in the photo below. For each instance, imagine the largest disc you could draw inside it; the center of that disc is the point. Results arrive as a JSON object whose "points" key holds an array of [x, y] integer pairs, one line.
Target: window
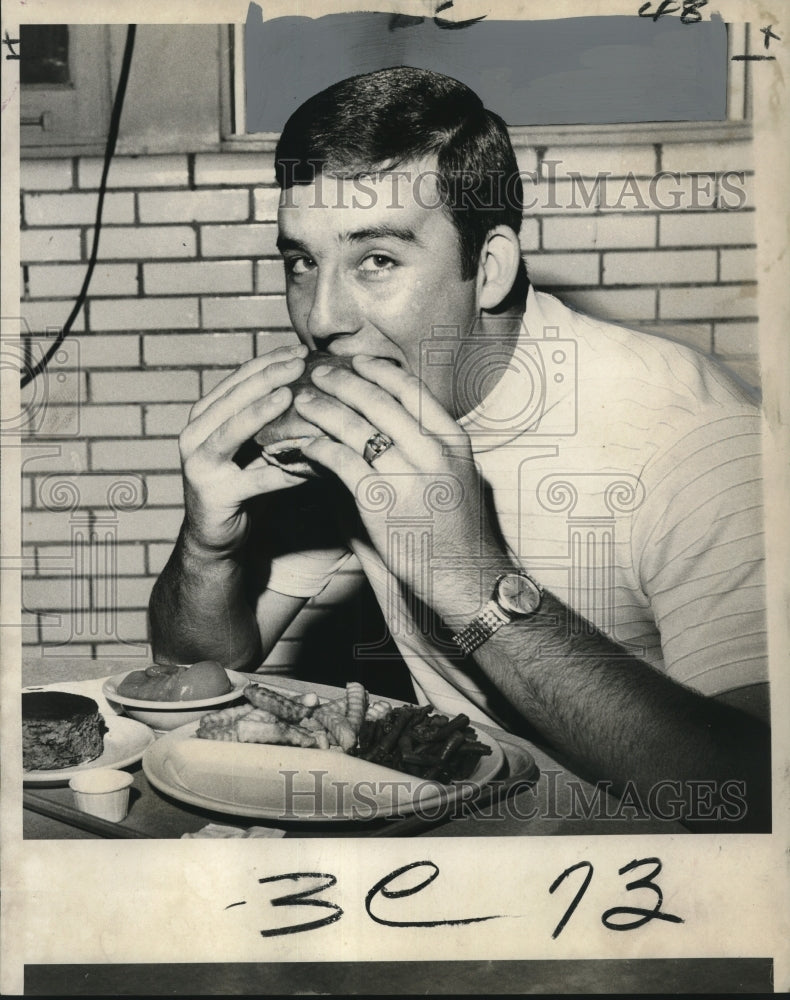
{"points": [[65, 81]]}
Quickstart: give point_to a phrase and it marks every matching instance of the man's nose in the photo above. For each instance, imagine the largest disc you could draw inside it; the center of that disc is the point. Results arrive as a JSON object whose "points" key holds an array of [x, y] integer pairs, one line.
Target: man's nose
{"points": [[333, 312]]}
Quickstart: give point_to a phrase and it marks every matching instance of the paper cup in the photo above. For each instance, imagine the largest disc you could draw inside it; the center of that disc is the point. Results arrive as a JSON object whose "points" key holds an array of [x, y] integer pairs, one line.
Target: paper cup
{"points": [[102, 792]]}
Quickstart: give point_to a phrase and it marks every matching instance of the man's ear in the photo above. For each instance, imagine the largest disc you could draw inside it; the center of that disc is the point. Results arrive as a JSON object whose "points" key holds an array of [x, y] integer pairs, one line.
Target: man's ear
{"points": [[498, 267]]}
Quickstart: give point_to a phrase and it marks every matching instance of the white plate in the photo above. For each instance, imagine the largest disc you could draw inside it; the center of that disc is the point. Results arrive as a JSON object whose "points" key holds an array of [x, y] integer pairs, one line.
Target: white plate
{"points": [[292, 783], [110, 691], [124, 744]]}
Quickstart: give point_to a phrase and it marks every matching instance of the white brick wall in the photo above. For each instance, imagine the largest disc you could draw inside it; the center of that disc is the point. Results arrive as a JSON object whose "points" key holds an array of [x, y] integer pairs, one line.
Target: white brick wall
{"points": [[189, 285]]}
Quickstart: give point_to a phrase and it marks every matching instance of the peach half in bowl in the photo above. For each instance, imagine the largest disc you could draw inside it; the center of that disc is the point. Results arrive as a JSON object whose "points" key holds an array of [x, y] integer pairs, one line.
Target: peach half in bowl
{"points": [[166, 697]]}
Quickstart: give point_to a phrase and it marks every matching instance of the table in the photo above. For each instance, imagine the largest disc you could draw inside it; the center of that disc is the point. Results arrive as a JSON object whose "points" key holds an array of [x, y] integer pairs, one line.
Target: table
{"points": [[535, 796]]}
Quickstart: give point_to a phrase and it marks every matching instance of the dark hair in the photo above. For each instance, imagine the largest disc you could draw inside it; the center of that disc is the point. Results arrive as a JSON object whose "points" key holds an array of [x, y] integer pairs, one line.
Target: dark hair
{"points": [[375, 122]]}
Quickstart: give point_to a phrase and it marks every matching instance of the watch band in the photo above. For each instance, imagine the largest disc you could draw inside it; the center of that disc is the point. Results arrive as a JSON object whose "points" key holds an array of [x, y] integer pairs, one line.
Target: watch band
{"points": [[480, 628]]}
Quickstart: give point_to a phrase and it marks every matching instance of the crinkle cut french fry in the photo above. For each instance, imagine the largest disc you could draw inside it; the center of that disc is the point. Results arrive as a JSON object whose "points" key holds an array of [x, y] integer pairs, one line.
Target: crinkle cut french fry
{"points": [[285, 708], [224, 717], [258, 727], [378, 710], [337, 726], [357, 698]]}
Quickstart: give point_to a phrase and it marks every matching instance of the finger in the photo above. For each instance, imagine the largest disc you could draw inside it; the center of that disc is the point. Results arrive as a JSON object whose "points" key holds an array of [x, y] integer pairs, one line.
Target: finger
{"points": [[346, 463], [260, 477], [411, 392], [381, 411], [250, 368], [335, 419], [226, 439], [248, 394]]}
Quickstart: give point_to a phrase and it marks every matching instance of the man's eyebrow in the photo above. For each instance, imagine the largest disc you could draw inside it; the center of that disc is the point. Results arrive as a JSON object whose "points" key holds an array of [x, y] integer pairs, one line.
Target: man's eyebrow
{"points": [[403, 233], [286, 243]]}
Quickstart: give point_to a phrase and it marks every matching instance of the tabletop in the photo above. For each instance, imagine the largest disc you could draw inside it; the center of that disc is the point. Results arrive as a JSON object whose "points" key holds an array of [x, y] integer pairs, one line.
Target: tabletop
{"points": [[533, 795]]}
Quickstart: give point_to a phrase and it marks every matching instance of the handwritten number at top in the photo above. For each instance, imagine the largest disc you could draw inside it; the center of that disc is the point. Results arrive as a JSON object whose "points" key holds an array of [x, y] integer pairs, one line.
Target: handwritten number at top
{"points": [[689, 14]]}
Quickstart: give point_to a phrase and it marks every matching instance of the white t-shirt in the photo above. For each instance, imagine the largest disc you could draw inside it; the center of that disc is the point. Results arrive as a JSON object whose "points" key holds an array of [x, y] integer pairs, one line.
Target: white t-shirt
{"points": [[625, 473]]}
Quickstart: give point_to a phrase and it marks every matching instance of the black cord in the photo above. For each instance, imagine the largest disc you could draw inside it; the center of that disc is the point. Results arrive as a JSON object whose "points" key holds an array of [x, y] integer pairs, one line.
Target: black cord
{"points": [[112, 138]]}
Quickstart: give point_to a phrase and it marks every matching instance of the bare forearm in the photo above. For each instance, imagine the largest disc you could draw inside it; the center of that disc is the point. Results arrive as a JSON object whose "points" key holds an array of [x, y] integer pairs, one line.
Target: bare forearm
{"points": [[199, 610], [619, 719]]}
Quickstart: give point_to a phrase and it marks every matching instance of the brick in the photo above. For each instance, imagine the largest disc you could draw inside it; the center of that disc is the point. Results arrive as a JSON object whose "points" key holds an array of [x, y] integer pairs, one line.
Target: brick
{"points": [[45, 526], [527, 159], [119, 351], [266, 202], [213, 376], [135, 172], [270, 340], [696, 335], [269, 277], [586, 232], [160, 525], [738, 265], [31, 633], [155, 453], [129, 559], [661, 192], [242, 313], [49, 245], [136, 242], [44, 316], [45, 175], [131, 626], [158, 554], [26, 494], [745, 370], [65, 280], [76, 209], [191, 349], [564, 269], [529, 235], [189, 206], [94, 491], [163, 419], [659, 268], [143, 314], [165, 491], [736, 338], [706, 228], [55, 594], [234, 168], [256, 240], [144, 387], [707, 157], [131, 592], [95, 421], [198, 277], [614, 304], [593, 161], [138, 652], [545, 197], [713, 301], [55, 456]]}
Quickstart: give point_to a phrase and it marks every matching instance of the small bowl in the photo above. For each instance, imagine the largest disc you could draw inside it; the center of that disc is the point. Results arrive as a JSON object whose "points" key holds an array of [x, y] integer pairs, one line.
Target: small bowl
{"points": [[166, 715]]}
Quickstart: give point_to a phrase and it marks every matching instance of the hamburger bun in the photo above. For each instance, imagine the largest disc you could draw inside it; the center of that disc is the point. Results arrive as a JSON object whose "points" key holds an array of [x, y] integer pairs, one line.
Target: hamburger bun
{"points": [[282, 439]]}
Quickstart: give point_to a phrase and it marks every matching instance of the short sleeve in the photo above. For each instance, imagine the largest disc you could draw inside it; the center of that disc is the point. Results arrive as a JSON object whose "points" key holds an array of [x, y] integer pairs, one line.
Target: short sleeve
{"points": [[699, 547]]}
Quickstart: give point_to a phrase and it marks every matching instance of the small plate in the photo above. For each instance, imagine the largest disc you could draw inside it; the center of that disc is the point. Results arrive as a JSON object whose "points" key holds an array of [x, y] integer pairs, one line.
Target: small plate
{"points": [[283, 783], [111, 684], [124, 744]]}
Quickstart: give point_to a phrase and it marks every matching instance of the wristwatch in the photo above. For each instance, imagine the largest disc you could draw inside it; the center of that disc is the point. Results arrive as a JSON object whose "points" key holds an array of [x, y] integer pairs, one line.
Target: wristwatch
{"points": [[516, 596]]}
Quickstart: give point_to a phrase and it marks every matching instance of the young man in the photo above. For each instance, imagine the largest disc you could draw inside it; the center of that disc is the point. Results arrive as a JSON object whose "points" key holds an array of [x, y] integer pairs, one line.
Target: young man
{"points": [[559, 518]]}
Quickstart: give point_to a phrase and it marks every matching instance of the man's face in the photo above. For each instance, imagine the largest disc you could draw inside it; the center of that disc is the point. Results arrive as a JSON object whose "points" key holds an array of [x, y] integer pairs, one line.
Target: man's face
{"points": [[372, 266]]}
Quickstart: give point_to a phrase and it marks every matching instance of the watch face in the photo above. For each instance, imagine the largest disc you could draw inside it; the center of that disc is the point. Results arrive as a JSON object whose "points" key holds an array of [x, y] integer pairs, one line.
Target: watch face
{"points": [[517, 594]]}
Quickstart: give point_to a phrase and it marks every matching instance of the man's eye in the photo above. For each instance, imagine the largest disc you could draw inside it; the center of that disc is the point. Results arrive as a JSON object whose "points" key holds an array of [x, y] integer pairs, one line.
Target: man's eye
{"points": [[299, 265], [376, 263]]}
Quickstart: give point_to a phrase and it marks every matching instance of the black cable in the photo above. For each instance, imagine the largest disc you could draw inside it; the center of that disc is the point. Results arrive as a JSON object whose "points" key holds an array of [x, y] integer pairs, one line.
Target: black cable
{"points": [[109, 151]]}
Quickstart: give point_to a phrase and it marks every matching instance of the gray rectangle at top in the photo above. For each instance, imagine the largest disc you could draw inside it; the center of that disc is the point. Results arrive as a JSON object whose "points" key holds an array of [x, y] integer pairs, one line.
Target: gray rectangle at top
{"points": [[584, 70]]}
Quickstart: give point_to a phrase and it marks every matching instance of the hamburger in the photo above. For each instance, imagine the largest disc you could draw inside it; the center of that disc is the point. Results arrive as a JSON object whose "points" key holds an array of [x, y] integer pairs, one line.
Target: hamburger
{"points": [[282, 439]]}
